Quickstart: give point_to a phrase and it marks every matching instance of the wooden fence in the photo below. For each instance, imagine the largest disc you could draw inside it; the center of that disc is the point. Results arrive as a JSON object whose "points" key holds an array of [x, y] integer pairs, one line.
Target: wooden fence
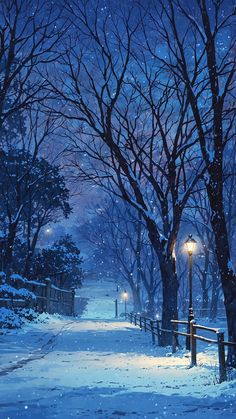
{"points": [[153, 326], [49, 298]]}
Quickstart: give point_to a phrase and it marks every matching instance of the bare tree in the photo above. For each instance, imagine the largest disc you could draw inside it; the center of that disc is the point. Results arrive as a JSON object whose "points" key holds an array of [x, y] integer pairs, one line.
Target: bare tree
{"points": [[129, 134], [201, 45], [117, 233], [29, 34]]}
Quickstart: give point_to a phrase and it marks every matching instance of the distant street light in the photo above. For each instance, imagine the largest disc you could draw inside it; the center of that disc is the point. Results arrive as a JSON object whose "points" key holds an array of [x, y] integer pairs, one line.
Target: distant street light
{"points": [[190, 245], [48, 230], [125, 296]]}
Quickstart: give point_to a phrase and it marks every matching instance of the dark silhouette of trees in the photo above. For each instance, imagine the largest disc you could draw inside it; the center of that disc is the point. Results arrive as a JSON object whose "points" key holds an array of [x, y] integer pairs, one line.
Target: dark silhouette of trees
{"points": [[33, 194], [29, 40], [61, 262]]}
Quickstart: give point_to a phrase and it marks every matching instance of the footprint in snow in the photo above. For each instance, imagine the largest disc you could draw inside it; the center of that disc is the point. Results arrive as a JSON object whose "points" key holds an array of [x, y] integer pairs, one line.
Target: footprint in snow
{"points": [[118, 412]]}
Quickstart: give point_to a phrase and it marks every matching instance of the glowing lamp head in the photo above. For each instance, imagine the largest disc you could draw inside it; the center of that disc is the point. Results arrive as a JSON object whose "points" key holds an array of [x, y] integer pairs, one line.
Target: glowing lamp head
{"points": [[125, 295], [190, 244], [48, 230]]}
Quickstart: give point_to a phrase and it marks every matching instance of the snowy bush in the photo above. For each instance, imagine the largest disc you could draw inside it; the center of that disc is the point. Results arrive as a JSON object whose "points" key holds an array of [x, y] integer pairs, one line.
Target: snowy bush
{"points": [[2, 277], [8, 291], [9, 319], [26, 294], [14, 319], [15, 278], [16, 316], [26, 313]]}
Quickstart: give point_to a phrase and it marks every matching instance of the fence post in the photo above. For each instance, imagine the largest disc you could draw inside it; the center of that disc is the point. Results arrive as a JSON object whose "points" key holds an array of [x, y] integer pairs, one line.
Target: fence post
{"points": [[59, 305], [131, 317], [221, 356], [135, 319], [73, 302], [152, 330], [48, 294], [158, 332], [173, 328], [193, 343], [140, 322], [39, 301], [116, 308]]}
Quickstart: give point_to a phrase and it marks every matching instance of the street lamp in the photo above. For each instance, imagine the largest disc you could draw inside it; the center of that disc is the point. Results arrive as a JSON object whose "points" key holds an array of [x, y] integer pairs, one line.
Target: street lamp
{"points": [[48, 231], [125, 296], [116, 301], [190, 245]]}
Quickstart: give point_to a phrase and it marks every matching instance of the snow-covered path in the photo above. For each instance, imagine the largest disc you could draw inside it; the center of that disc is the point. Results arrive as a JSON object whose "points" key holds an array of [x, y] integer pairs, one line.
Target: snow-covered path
{"points": [[103, 369]]}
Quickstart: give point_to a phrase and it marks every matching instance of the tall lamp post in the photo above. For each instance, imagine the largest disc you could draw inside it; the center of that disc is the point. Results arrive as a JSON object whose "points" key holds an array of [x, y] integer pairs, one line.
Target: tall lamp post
{"points": [[116, 301], [190, 245], [125, 295]]}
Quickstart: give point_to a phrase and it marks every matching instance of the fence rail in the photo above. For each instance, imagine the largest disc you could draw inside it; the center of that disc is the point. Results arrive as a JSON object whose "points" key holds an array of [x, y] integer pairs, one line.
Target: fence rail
{"points": [[153, 326], [49, 298]]}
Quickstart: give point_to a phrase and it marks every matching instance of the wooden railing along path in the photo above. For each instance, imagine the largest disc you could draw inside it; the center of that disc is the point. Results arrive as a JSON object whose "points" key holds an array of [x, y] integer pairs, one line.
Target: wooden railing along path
{"points": [[49, 298], [153, 326]]}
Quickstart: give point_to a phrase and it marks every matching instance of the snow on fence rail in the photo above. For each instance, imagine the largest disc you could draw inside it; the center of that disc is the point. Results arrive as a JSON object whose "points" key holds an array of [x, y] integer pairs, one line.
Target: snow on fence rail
{"points": [[153, 326], [48, 297]]}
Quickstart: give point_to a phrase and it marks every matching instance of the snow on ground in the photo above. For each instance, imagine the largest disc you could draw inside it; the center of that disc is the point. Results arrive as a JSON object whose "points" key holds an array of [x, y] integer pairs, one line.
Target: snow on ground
{"points": [[104, 368], [102, 295]]}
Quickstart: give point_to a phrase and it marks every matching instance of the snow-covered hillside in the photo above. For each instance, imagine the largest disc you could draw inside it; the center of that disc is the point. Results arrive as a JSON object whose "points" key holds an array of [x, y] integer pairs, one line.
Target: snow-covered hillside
{"points": [[101, 296]]}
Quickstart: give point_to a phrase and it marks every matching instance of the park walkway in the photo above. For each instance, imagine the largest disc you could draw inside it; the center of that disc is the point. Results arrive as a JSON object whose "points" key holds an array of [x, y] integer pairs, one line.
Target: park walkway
{"points": [[101, 368]]}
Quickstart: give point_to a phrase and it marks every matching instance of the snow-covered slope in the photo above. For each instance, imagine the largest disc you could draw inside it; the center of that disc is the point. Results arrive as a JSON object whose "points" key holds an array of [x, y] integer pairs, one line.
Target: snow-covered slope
{"points": [[101, 296]]}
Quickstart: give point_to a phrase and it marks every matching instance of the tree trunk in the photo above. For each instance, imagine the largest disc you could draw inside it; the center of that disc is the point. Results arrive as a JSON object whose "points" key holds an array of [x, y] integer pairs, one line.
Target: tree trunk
{"points": [[169, 279], [9, 246], [136, 298], [138, 249], [205, 297], [151, 308], [28, 265], [228, 278], [169, 292], [30, 255]]}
